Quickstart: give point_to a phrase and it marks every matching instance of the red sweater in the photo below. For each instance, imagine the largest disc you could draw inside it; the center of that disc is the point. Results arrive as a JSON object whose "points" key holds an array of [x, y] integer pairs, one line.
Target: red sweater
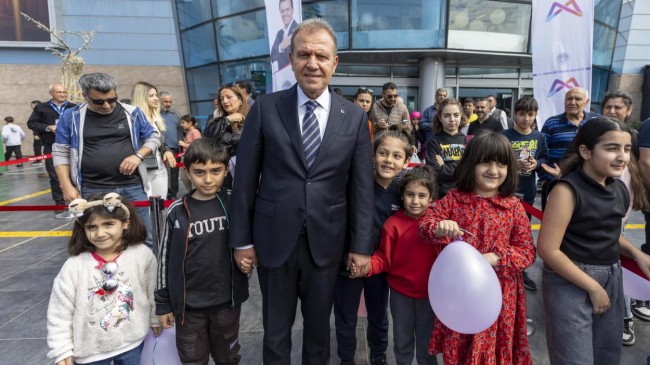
{"points": [[405, 256]]}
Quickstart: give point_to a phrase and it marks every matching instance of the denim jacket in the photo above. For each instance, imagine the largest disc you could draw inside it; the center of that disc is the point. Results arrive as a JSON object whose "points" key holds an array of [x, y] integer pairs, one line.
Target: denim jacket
{"points": [[69, 140]]}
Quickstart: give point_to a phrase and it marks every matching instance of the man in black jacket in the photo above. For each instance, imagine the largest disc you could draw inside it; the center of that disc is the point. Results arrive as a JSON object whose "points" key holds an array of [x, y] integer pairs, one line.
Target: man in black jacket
{"points": [[45, 116]]}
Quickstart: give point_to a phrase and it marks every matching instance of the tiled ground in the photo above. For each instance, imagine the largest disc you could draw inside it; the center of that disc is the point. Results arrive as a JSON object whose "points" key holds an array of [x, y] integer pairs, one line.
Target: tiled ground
{"points": [[29, 265]]}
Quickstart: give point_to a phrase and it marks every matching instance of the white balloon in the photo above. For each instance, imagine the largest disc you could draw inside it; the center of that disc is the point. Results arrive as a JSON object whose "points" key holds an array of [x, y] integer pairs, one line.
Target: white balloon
{"points": [[635, 286], [464, 290]]}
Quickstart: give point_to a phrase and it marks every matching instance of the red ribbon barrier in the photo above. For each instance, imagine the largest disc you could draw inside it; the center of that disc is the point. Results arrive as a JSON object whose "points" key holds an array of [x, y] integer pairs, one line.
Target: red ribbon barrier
{"points": [[26, 159], [26, 208], [532, 210], [631, 265]]}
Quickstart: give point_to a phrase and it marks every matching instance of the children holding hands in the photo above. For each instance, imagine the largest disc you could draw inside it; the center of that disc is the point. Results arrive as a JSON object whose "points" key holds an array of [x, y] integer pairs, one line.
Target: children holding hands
{"points": [[200, 289], [407, 260]]}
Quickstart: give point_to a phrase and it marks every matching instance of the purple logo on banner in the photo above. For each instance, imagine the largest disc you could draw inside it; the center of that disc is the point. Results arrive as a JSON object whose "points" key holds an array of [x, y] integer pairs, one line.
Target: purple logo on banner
{"points": [[558, 85], [571, 6]]}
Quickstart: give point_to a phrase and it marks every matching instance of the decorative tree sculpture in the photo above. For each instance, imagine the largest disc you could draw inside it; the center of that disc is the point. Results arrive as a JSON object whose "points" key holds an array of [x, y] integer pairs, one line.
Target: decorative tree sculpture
{"points": [[71, 64]]}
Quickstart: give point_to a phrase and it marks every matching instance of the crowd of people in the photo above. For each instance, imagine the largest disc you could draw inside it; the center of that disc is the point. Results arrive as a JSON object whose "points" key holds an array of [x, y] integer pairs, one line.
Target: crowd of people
{"points": [[282, 185]]}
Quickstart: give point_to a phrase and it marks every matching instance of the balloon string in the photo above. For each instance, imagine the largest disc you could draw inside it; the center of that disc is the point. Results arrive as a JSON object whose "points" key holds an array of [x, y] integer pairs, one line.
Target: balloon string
{"points": [[468, 232]]}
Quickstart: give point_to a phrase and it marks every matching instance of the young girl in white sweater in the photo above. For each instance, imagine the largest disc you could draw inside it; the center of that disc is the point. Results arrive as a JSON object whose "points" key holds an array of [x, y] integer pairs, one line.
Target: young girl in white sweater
{"points": [[102, 304]]}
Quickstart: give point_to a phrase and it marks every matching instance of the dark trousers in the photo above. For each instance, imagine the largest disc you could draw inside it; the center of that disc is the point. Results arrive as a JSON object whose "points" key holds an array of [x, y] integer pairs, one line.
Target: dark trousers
{"points": [[57, 193], [346, 305], [13, 150], [38, 147], [172, 190], [281, 287], [204, 334]]}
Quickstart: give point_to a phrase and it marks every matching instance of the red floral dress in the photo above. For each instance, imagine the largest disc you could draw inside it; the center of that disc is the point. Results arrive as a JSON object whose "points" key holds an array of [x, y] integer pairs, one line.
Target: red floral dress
{"points": [[501, 226]]}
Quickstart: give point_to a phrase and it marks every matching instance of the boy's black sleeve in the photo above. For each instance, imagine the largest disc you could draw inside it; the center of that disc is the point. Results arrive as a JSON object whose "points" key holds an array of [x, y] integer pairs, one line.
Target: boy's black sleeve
{"points": [[542, 156], [161, 295]]}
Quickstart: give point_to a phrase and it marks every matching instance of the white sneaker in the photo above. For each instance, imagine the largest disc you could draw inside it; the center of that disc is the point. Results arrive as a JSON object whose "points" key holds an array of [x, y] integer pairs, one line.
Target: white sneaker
{"points": [[641, 309], [628, 332]]}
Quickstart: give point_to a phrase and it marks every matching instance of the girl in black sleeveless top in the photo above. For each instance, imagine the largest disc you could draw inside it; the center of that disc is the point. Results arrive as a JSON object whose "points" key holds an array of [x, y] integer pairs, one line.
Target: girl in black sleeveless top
{"points": [[580, 242]]}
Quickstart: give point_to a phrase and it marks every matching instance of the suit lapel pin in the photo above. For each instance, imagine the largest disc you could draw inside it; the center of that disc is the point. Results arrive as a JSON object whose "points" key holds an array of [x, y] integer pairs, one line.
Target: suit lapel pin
{"points": [[342, 111]]}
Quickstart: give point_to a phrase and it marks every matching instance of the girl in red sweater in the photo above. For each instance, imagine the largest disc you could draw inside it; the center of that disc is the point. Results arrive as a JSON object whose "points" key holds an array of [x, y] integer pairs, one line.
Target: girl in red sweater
{"points": [[407, 259], [483, 204]]}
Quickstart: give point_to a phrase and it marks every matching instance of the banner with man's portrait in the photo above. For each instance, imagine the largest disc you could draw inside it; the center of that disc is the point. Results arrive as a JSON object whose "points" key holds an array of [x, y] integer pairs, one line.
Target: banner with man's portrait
{"points": [[282, 18]]}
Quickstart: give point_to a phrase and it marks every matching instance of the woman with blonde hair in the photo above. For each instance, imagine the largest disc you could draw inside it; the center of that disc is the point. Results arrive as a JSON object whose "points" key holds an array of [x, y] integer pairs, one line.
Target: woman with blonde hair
{"points": [[145, 97]]}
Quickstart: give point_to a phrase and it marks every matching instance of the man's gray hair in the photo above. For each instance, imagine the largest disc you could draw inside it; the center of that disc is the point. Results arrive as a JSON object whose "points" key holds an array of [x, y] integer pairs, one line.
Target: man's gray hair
{"points": [[582, 89], [163, 94], [97, 81], [311, 26]]}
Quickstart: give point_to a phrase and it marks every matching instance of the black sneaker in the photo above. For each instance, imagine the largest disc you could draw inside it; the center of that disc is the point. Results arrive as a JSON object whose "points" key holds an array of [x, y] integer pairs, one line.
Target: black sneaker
{"points": [[628, 332], [379, 360], [641, 309], [528, 282], [347, 362]]}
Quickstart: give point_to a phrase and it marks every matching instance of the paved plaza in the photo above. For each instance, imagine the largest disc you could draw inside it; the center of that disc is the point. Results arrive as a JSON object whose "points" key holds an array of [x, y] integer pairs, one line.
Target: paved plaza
{"points": [[29, 262]]}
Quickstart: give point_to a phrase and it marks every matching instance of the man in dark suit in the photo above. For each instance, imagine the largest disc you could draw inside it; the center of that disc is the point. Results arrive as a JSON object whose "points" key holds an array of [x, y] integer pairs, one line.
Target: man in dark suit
{"points": [[282, 44], [303, 180]]}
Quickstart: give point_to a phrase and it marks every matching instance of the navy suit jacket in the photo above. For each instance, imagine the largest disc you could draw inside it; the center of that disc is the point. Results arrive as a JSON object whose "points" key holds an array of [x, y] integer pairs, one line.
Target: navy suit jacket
{"points": [[282, 57], [274, 193]]}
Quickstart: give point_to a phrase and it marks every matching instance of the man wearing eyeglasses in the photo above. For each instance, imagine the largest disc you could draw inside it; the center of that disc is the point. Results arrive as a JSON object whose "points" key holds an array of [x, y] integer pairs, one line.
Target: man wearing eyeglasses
{"points": [[43, 121], [100, 146], [387, 111]]}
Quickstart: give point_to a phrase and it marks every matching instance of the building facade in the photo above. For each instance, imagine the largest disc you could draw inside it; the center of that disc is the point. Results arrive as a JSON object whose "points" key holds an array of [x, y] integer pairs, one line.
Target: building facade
{"points": [[470, 47], [136, 40]]}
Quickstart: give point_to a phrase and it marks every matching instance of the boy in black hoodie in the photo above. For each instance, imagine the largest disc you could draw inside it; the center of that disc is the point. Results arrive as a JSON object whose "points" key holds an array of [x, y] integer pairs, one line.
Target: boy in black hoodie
{"points": [[199, 286]]}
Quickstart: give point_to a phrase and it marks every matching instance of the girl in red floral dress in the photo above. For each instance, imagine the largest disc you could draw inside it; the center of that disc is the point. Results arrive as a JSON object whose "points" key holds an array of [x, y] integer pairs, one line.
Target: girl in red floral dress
{"points": [[483, 204]]}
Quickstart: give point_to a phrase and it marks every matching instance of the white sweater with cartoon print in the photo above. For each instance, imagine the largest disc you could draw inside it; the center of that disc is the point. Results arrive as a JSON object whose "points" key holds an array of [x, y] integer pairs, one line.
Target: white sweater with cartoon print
{"points": [[85, 322]]}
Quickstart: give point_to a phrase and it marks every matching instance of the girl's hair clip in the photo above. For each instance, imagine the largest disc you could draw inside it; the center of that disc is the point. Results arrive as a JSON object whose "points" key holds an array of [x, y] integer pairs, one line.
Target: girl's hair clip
{"points": [[110, 201]]}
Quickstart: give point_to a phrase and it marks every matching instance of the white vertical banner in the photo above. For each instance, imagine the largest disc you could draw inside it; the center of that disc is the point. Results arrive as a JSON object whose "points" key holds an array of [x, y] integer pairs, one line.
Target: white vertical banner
{"points": [[562, 39], [282, 18]]}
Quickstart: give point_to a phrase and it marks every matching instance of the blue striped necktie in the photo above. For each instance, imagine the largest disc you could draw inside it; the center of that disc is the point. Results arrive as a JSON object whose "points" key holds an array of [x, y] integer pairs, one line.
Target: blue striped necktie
{"points": [[310, 133]]}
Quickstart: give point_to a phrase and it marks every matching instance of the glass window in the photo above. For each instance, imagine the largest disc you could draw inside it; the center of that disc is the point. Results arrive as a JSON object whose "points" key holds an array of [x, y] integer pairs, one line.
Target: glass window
{"points": [[203, 82], [198, 46], [489, 25], [406, 71], [202, 111], [526, 73], [599, 82], [487, 73], [335, 13], [450, 71], [349, 91], [192, 12], [362, 70], [608, 12], [227, 7], [242, 36], [604, 43], [384, 24], [257, 72]]}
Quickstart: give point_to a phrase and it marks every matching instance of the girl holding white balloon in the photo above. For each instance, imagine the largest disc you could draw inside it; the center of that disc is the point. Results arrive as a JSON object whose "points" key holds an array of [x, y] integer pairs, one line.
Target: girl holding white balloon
{"points": [[483, 205], [582, 279], [407, 260], [102, 303]]}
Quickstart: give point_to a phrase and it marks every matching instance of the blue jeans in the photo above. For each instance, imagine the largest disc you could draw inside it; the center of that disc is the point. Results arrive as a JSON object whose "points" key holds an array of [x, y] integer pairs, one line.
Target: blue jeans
{"points": [[131, 357], [574, 335], [131, 193]]}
